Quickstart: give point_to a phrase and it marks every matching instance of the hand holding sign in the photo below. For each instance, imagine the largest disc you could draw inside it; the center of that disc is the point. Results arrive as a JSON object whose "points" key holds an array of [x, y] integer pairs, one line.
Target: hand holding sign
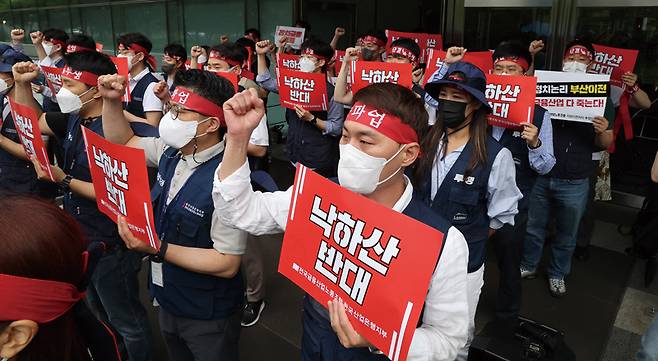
{"points": [[303, 113], [111, 86], [133, 243], [25, 72], [57, 172], [600, 124], [530, 134], [347, 336], [629, 79], [243, 113]]}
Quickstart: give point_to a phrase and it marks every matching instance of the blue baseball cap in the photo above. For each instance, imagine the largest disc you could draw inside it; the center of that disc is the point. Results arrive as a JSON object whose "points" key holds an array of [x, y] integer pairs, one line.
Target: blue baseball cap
{"points": [[9, 57], [464, 76]]}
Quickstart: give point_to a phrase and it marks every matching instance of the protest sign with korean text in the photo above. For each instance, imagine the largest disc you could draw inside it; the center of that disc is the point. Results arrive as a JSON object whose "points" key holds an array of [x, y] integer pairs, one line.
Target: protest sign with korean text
{"points": [[435, 59], [576, 97], [121, 184], [53, 78], [26, 122], [424, 41], [378, 263], [295, 36], [512, 99], [364, 73], [287, 61], [339, 56], [308, 90], [614, 62], [123, 70]]}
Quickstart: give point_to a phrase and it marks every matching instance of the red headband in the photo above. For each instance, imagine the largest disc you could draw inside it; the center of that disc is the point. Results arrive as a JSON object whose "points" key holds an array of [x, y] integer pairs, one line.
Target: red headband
{"points": [[56, 41], [214, 54], [398, 50], [515, 59], [197, 103], [579, 49], [373, 40], [150, 59], [86, 77], [309, 51], [37, 300], [71, 48], [387, 124]]}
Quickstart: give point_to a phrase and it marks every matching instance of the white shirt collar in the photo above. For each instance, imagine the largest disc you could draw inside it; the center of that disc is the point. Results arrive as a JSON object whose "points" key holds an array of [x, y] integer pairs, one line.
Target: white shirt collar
{"points": [[139, 76], [405, 198]]}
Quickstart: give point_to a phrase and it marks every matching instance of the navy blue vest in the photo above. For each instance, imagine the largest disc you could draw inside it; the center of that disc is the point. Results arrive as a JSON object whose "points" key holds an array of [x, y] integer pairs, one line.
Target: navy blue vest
{"points": [[525, 175], [16, 175], [135, 106], [48, 104], [465, 205], [96, 225], [186, 221], [306, 143], [573, 144]]}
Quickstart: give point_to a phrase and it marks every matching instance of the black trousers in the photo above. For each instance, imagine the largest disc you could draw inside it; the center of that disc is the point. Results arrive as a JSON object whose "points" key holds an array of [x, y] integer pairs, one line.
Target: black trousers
{"points": [[508, 246]]}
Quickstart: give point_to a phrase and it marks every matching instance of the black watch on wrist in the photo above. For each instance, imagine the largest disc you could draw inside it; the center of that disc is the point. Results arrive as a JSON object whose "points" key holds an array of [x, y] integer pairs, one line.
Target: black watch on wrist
{"points": [[314, 121], [160, 256], [65, 183]]}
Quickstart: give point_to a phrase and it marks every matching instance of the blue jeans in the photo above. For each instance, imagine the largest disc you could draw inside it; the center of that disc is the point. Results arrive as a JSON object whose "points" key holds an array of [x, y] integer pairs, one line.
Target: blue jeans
{"points": [[566, 200], [649, 345], [113, 294]]}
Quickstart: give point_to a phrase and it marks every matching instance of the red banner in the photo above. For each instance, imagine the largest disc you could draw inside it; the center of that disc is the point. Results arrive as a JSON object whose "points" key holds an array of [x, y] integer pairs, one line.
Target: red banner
{"points": [[481, 59], [26, 122], [364, 73], [425, 41], [53, 78], [512, 99], [340, 58], [230, 76], [188, 64], [339, 245], [614, 62], [308, 90], [123, 70], [287, 61], [121, 184]]}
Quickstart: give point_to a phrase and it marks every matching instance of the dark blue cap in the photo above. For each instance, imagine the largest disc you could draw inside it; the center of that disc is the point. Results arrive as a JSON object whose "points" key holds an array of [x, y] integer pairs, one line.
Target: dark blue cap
{"points": [[465, 76], [9, 57]]}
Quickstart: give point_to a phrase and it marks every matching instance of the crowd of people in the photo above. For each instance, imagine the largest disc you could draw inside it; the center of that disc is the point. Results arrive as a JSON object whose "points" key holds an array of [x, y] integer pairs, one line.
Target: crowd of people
{"points": [[438, 161]]}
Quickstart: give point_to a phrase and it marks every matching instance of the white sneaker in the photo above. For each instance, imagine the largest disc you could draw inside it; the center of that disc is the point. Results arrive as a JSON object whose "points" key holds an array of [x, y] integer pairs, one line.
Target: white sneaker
{"points": [[557, 287], [528, 274]]}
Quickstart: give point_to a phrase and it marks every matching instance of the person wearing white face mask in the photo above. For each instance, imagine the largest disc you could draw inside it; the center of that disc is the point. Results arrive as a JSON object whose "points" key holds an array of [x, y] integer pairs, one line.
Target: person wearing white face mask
{"points": [[380, 156], [16, 170], [312, 136], [50, 46], [564, 190], [144, 108], [113, 288], [195, 276]]}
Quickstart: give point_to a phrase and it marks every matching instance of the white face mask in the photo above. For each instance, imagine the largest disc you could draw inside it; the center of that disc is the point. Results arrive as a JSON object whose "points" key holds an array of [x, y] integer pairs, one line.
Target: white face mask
{"points": [[48, 48], [130, 60], [306, 65], [177, 133], [202, 59], [4, 88], [359, 172], [69, 102], [574, 67]]}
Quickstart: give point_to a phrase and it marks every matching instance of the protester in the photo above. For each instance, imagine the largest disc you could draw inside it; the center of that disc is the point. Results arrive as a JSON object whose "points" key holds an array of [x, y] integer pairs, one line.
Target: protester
{"points": [[173, 61], [312, 136], [43, 273], [532, 150], [469, 178], [252, 34], [565, 189], [444, 324], [50, 46], [113, 289]]}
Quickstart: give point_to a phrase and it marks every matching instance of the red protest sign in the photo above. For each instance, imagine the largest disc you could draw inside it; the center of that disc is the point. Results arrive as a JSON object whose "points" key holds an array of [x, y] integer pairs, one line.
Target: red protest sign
{"points": [[53, 78], [26, 122], [188, 65], [377, 262], [512, 99], [308, 90], [249, 75], [425, 41], [435, 58], [364, 73], [339, 55], [124, 71], [230, 76], [614, 62], [288, 61], [121, 184]]}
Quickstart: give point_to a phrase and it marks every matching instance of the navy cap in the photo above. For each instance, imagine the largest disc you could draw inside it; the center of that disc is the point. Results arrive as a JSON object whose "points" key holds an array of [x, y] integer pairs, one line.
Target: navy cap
{"points": [[462, 75], [9, 57]]}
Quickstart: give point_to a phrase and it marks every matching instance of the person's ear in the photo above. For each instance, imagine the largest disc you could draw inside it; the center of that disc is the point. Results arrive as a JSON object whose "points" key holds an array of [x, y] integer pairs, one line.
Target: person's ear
{"points": [[213, 124], [410, 153], [16, 337], [139, 57], [321, 63], [97, 94]]}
